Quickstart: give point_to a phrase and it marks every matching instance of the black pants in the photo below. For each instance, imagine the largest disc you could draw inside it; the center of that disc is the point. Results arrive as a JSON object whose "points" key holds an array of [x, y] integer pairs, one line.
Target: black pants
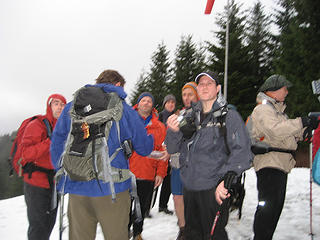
{"points": [[271, 184], [165, 190], [41, 218], [144, 190], [200, 208]]}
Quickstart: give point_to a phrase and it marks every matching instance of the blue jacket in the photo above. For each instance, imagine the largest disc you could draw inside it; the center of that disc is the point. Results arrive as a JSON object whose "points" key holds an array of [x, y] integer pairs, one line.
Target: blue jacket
{"points": [[131, 127]]}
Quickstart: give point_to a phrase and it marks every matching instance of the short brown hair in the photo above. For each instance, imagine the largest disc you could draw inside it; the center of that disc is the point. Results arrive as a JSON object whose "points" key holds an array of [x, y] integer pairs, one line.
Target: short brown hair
{"points": [[110, 76]]}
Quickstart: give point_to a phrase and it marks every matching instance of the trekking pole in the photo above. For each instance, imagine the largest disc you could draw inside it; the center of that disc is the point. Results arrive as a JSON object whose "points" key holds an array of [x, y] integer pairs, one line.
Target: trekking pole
{"points": [[153, 198], [216, 220], [310, 158], [61, 227], [228, 180]]}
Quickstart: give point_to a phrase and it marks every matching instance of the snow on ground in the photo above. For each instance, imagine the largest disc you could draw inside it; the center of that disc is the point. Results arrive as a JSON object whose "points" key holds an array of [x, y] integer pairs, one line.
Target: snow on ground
{"points": [[294, 222]]}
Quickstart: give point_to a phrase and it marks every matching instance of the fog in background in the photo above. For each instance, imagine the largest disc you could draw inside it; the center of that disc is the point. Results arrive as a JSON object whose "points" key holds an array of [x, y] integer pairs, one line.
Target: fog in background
{"points": [[58, 46]]}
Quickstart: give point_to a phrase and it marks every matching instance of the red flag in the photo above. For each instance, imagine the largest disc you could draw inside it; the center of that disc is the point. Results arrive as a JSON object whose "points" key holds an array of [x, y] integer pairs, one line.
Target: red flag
{"points": [[209, 6]]}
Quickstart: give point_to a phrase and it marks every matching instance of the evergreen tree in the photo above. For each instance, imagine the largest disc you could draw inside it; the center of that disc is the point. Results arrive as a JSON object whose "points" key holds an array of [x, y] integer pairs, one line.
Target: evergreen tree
{"points": [[261, 44], [189, 61], [156, 81], [240, 87], [298, 54], [160, 74], [140, 87]]}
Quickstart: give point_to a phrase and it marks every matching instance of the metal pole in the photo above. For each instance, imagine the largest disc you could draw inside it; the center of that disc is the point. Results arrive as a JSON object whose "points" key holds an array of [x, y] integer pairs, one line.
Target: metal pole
{"points": [[310, 157], [225, 91]]}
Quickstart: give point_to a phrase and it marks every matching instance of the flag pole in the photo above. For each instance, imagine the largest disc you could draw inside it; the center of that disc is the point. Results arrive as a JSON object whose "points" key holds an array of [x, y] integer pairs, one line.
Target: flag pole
{"points": [[225, 88]]}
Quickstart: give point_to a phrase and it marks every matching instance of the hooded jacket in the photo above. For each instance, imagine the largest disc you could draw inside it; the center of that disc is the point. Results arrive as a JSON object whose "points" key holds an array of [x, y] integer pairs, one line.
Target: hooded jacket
{"points": [[131, 127], [270, 123], [144, 167], [204, 158], [36, 144]]}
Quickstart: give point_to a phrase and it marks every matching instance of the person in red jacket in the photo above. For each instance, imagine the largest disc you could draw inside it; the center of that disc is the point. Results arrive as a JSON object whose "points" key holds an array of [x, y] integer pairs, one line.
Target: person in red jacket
{"points": [[149, 171], [315, 142], [38, 171]]}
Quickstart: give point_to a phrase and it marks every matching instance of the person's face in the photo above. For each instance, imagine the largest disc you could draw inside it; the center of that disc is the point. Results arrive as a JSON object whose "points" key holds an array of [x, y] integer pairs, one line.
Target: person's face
{"points": [[280, 94], [188, 96], [207, 89], [170, 106], [145, 105], [56, 106]]}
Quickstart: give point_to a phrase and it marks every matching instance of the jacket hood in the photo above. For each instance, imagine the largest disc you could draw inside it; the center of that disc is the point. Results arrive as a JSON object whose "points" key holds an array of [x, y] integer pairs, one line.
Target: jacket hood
{"points": [[110, 88], [49, 114]]}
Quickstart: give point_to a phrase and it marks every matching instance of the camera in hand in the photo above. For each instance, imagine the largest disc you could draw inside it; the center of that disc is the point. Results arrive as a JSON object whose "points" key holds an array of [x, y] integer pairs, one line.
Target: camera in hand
{"points": [[187, 125]]}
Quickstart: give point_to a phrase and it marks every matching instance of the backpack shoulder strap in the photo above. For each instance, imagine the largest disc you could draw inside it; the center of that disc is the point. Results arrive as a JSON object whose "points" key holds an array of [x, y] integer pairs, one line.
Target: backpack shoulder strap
{"points": [[224, 132], [48, 126], [223, 127]]}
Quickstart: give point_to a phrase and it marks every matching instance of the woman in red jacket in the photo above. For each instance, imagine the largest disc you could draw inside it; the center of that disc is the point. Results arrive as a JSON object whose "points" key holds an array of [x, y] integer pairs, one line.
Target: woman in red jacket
{"points": [[149, 171], [38, 171]]}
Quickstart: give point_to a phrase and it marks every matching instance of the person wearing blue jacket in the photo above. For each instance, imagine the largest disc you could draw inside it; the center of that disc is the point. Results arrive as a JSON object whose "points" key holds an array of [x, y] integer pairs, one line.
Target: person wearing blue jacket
{"points": [[90, 202]]}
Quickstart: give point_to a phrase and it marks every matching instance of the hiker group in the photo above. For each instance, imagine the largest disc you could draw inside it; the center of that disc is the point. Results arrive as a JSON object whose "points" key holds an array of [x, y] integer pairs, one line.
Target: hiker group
{"points": [[111, 158]]}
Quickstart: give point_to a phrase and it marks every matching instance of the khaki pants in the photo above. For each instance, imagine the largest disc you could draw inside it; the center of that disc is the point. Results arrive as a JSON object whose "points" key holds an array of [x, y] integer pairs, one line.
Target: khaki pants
{"points": [[85, 212]]}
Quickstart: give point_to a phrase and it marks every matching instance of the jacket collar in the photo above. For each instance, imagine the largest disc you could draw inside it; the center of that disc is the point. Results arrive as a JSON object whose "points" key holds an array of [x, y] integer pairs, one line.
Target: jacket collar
{"points": [[262, 98]]}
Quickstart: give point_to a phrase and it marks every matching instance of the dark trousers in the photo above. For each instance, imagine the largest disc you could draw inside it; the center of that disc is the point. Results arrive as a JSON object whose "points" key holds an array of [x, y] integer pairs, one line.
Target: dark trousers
{"points": [[200, 208], [271, 184], [165, 190], [41, 218], [144, 190]]}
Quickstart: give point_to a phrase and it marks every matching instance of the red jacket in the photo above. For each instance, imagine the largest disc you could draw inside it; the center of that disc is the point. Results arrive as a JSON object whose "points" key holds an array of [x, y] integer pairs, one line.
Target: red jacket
{"points": [[36, 145], [315, 142], [148, 168]]}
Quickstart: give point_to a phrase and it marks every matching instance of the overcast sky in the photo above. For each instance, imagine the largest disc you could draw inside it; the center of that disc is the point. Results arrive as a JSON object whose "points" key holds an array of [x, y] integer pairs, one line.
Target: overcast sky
{"points": [[58, 46]]}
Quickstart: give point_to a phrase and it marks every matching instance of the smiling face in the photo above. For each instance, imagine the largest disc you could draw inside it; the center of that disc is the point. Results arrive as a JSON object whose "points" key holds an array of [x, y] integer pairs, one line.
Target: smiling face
{"points": [[207, 89], [170, 105], [145, 106]]}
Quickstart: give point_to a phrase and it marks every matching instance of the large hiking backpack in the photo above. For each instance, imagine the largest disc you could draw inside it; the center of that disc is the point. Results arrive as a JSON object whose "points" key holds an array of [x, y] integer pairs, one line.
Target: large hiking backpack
{"points": [[86, 155], [15, 156]]}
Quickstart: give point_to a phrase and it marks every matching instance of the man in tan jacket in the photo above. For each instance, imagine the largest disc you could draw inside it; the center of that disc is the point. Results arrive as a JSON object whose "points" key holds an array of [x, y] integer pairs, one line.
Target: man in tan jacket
{"points": [[272, 127]]}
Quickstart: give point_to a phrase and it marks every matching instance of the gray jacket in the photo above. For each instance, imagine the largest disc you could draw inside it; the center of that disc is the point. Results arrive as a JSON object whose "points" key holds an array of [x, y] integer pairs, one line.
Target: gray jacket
{"points": [[204, 158]]}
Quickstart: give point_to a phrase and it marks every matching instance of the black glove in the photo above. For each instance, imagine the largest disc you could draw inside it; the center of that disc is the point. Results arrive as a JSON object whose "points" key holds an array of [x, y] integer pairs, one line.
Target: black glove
{"points": [[310, 122], [314, 122], [187, 126], [188, 130], [228, 179], [305, 121]]}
